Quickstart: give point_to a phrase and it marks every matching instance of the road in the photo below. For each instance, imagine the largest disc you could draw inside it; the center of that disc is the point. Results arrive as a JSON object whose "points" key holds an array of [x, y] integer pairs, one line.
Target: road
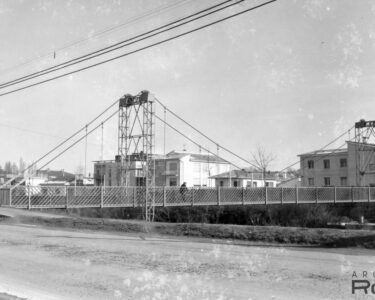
{"points": [[40, 263]]}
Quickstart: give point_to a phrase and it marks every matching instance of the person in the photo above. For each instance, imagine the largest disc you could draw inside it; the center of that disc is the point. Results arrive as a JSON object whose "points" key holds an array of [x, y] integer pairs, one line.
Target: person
{"points": [[183, 190]]}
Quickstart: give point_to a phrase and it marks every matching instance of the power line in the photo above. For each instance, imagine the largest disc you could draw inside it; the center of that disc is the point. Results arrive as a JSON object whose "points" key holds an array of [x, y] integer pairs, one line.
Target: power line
{"points": [[139, 49], [102, 32], [201, 133], [119, 45]]}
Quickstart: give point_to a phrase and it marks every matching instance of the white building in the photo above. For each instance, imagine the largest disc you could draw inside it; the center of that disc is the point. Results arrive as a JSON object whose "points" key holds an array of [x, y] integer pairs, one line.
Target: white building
{"points": [[171, 169], [243, 178]]}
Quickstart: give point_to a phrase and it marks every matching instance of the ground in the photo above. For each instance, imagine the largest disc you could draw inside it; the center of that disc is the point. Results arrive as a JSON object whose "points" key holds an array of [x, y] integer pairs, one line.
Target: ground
{"points": [[50, 263]]}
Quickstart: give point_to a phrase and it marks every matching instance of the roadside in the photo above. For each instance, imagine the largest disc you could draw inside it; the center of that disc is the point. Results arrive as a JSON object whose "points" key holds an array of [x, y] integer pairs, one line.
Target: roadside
{"points": [[323, 237], [70, 264]]}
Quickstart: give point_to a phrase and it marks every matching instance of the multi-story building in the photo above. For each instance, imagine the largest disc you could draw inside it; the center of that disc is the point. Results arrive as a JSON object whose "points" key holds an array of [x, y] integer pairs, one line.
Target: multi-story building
{"points": [[353, 166], [171, 169]]}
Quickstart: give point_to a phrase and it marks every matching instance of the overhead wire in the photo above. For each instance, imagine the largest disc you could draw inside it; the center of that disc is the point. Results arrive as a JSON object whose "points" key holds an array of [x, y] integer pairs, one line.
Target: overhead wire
{"points": [[119, 45], [140, 49], [95, 35]]}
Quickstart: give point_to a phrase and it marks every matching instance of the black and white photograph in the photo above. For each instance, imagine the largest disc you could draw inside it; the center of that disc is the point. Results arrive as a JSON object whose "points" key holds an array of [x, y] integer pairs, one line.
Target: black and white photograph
{"points": [[187, 149]]}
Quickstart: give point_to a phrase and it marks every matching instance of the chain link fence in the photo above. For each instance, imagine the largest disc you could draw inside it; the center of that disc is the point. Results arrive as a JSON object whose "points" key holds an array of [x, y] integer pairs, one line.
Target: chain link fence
{"points": [[69, 196]]}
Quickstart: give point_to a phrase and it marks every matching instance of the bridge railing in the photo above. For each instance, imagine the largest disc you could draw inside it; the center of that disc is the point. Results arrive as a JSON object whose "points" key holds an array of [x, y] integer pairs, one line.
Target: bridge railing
{"points": [[70, 196]]}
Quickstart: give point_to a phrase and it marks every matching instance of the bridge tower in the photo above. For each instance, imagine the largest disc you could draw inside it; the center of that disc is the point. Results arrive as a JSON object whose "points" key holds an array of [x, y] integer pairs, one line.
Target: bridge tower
{"points": [[136, 145], [364, 151]]}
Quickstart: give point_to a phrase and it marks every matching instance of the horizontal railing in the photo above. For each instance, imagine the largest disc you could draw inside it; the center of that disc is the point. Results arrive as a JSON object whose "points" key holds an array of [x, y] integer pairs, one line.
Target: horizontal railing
{"points": [[68, 196]]}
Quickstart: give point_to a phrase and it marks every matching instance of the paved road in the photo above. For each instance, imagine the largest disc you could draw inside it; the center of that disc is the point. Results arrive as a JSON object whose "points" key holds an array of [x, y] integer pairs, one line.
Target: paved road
{"points": [[40, 263]]}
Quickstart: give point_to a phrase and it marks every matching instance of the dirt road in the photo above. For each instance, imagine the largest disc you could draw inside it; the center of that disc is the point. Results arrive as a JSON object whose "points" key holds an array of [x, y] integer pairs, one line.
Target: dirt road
{"points": [[39, 263]]}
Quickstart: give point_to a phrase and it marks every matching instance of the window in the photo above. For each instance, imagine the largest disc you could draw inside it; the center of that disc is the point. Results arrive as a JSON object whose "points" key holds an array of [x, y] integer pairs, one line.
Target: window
{"points": [[343, 181], [343, 163], [326, 164], [310, 164], [255, 184], [172, 166], [173, 181], [327, 181], [221, 183], [311, 181], [235, 183], [140, 181]]}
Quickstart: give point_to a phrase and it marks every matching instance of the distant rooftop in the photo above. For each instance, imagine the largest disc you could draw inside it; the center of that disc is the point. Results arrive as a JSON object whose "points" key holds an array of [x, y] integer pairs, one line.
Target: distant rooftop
{"points": [[198, 157], [243, 174], [324, 152]]}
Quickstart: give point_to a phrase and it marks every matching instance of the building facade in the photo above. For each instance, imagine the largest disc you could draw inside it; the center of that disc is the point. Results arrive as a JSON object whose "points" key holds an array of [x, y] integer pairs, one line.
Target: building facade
{"points": [[171, 169], [353, 166], [243, 178]]}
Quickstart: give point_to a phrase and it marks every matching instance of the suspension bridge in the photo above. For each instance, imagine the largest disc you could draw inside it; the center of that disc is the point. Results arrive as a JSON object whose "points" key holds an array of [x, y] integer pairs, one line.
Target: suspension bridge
{"points": [[136, 155], [135, 158]]}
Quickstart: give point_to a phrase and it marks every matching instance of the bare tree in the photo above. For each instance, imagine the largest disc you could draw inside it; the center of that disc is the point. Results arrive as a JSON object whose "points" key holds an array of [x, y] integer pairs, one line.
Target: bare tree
{"points": [[262, 160]]}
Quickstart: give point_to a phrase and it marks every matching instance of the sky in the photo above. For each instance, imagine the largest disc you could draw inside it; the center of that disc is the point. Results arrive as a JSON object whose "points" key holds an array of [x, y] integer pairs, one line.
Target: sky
{"points": [[289, 77]]}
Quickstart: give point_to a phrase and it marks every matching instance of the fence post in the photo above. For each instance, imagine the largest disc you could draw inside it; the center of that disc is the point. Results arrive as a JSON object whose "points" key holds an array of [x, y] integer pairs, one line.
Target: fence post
{"points": [[101, 196], [218, 195], [134, 196], [282, 195], [296, 194], [265, 195], [334, 194], [66, 197], [369, 194], [164, 197], [29, 192], [243, 196], [10, 196]]}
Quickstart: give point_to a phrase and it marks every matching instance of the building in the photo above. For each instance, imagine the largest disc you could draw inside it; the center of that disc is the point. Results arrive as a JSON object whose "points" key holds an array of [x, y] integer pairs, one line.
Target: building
{"points": [[290, 182], [171, 169], [353, 166], [244, 178], [50, 177]]}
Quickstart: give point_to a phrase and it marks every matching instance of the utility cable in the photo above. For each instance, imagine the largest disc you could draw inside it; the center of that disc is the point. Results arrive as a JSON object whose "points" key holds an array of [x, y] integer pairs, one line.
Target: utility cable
{"points": [[95, 35], [140, 49], [116, 46]]}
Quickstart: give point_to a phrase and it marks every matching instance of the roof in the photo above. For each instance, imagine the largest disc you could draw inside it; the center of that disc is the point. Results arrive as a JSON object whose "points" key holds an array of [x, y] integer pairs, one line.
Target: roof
{"points": [[243, 174], [60, 175], [291, 182], [324, 152], [197, 157]]}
